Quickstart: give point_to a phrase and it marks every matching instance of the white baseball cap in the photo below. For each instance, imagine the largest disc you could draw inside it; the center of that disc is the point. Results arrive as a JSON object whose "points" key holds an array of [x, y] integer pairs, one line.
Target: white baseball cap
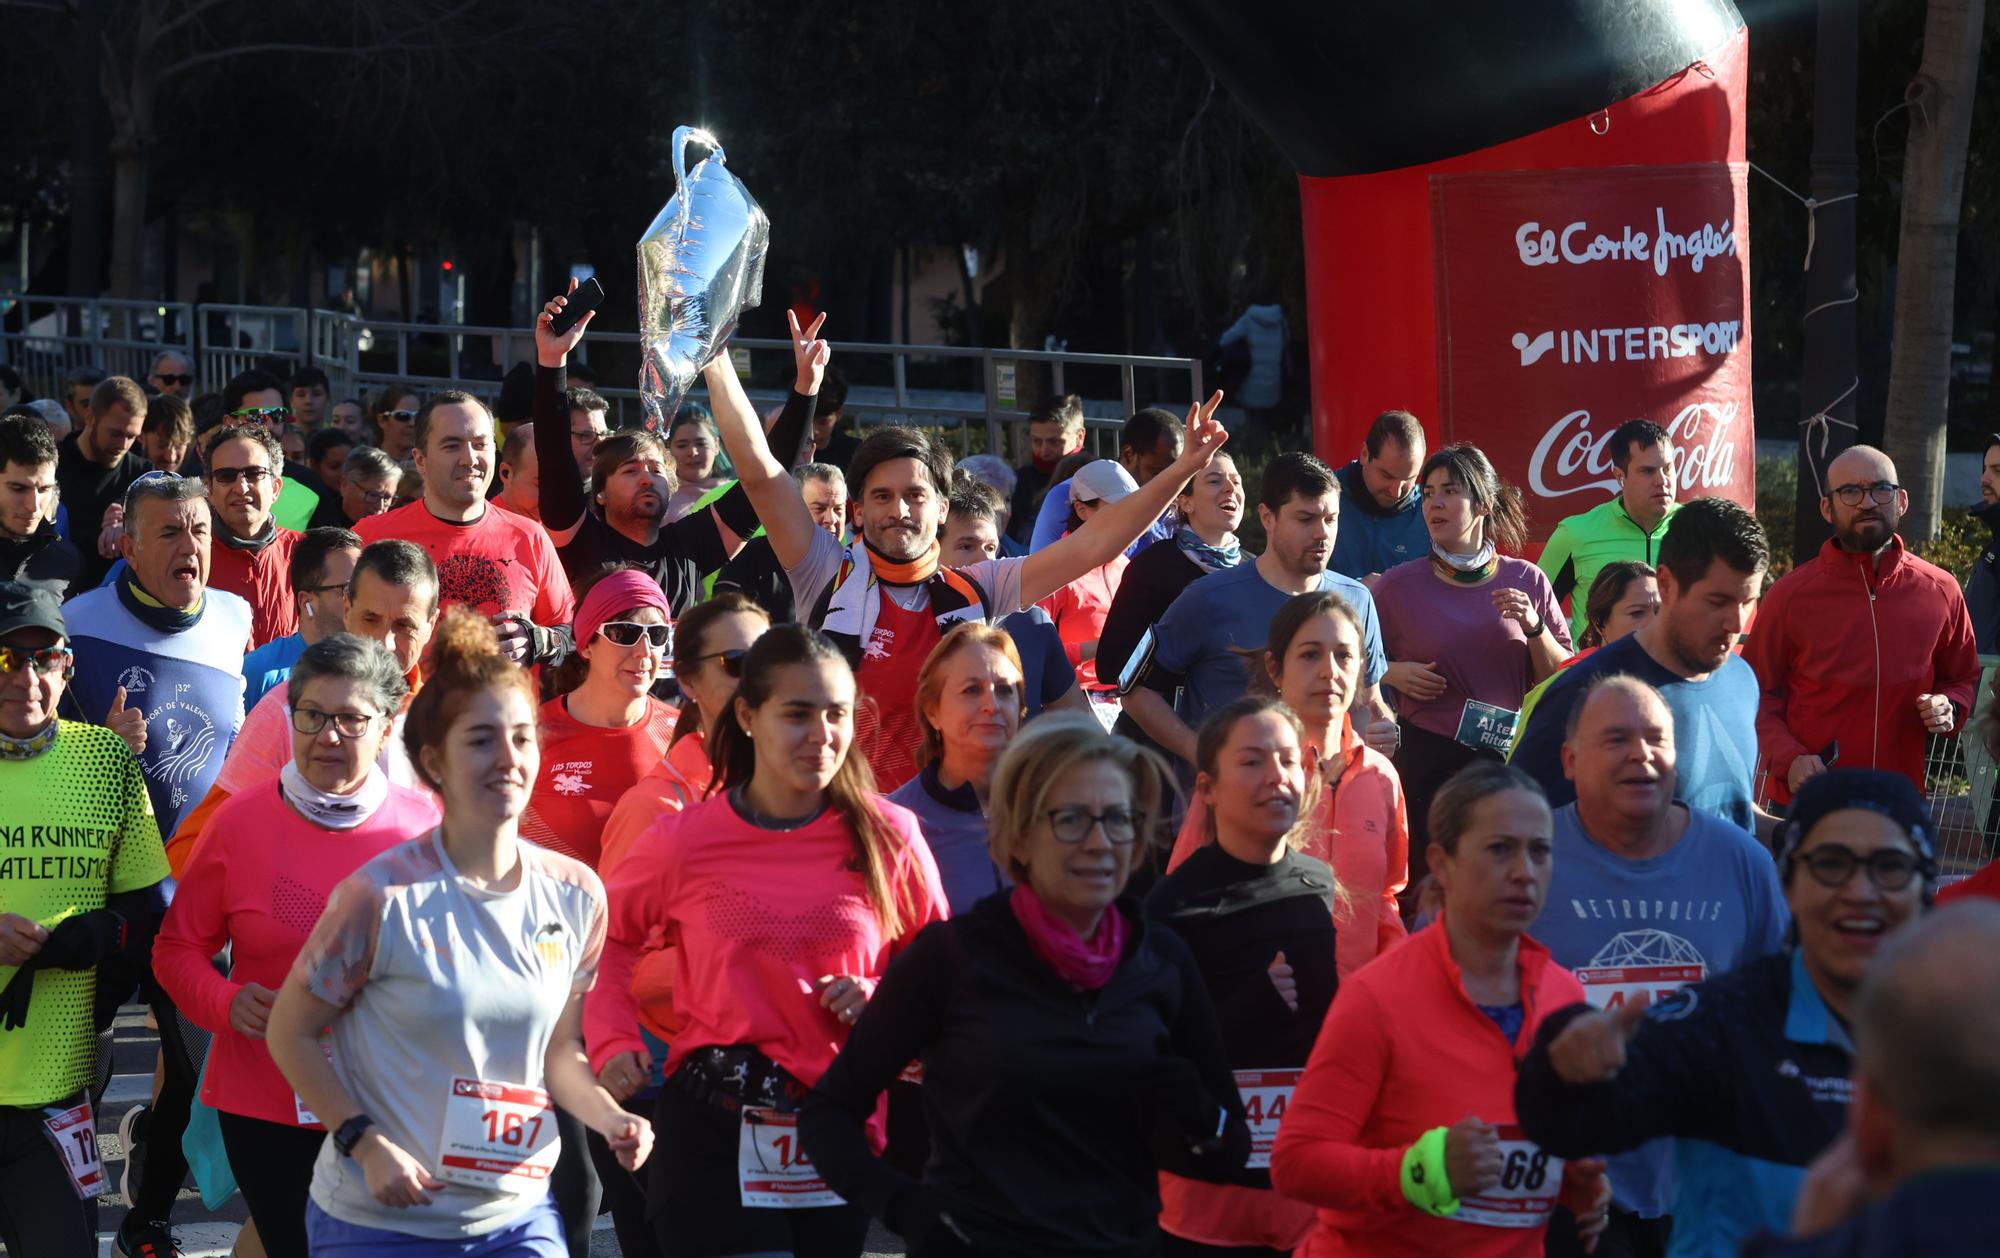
{"points": [[1104, 480]]}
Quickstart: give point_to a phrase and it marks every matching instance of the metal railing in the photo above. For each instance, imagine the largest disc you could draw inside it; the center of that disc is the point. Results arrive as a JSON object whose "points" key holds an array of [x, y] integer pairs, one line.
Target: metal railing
{"points": [[961, 391]]}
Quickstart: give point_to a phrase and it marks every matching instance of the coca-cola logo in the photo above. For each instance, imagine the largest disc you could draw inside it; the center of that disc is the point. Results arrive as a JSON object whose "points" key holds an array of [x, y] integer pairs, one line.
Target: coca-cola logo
{"points": [[1571, 458]]}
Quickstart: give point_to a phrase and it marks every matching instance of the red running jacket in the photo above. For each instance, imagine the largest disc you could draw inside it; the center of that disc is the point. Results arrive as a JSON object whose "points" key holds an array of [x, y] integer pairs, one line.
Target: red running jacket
{"points": [[1842, 649]]}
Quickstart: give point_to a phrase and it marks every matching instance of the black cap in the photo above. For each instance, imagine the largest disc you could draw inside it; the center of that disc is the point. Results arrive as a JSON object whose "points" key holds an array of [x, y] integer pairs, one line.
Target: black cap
{"points": [[24, 605], [1877, 790]]}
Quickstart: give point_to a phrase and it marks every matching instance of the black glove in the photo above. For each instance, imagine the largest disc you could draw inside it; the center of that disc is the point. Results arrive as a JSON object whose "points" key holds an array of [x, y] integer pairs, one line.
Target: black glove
{"points": [[81, 941], [14, 1000], [918, 1214], [549, 646]]}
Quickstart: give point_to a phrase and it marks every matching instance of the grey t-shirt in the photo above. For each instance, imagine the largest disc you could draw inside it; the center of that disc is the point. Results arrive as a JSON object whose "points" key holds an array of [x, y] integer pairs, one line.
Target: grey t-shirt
{"points": [[999, 578], [440, 980]]}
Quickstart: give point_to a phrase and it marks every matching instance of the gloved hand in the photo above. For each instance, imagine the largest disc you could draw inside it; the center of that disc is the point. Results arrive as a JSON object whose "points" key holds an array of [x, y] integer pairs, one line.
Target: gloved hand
{"points": [[76, 944], [1189, 1113], [14, 999]]}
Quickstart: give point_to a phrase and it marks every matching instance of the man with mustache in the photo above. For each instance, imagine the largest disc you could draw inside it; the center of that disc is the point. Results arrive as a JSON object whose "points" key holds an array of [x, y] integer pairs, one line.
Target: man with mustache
{"points": [[1868, 648]]}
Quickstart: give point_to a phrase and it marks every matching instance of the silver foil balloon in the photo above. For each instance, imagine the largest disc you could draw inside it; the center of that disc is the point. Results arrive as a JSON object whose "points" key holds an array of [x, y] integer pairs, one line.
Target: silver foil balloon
{"points": [[701, 265]]}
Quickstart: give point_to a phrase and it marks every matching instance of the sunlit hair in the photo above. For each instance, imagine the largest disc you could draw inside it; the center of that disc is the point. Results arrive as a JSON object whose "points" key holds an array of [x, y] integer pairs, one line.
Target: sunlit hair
{"points": [[851, 793], [1214, 736], [620, 448], [1506, 523], [349, 657], [1028, 770], [1607, 590], [691, 637], [465, 660], [1267, 663], [930, 678]]}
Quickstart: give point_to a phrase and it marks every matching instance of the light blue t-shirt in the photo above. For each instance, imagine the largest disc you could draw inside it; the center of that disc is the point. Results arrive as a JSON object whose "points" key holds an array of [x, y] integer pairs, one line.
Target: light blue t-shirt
{"points": [[1626, 928], [1228, 611], [1053, 518], [270, 666]]}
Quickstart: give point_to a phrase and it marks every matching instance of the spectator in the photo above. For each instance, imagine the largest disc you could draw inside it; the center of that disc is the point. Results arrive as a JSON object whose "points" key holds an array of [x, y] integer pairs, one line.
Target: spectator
{"points": [[588, 425], [1625, 595], [79, 385], [1915, 1173], [1385, 518], [830, 443], [1467, 630], [310, 391], [351, 418], [1649, 896], [1711, 569], [1982, 591], [30, 551], [520, 481], [1147, 445], [172, 375], [96, 466], [322, 564], [252, 556], [495, 562], [1198, 643], [756, 572], [1055, 429], [13, 390], [1867, 651], [368, 480], [167, 434], [255, 397], [392, 423], [1629, 526], [1261, 328], [326, 450], [1079, 608], [971, 535], [692, 442]]}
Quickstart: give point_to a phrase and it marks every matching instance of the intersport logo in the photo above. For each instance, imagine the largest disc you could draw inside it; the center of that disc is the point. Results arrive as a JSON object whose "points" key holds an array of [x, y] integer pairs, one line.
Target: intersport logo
{"points": [[1572, 458]]}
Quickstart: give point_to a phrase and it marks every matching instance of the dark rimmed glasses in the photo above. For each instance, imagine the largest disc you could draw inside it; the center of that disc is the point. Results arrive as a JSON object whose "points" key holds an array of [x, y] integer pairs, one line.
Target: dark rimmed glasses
{"points": [[1883, 492], [1888, 868], [1073, 825], [310, 721]]}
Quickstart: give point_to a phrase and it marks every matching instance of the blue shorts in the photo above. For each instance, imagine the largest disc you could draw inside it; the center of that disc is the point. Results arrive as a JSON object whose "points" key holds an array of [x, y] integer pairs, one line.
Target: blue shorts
{"points": [[536, 1234]]}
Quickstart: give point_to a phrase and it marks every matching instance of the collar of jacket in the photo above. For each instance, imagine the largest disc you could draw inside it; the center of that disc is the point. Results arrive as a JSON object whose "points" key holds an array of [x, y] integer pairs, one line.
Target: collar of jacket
{"points": [[1658, 530], [1531, 961], [1807, 1018], [961, 798], [1830, 553], [1987, 513], [1354, 489]]}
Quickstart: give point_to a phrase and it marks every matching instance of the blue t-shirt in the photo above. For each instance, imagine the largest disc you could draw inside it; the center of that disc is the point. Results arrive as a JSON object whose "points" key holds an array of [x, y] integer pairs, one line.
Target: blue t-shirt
{"points": [[270, 666], [1231, 610], [1707, 905], [1046, 674], [1372, 540], [1053, 519], [1715, 729], [955, 830]]}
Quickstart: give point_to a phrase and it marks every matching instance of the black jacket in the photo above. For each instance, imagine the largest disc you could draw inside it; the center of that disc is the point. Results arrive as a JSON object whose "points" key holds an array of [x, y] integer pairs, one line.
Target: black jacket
{"points": [[1946, 1213], [1982, 591], [1050, 1111], [42, 559], [87, 489]]}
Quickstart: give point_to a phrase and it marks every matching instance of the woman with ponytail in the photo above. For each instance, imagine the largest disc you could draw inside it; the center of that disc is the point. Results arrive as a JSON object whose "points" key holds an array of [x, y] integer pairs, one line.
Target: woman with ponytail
{"points": [[451, 971], [784, 894], [1468, 630]]}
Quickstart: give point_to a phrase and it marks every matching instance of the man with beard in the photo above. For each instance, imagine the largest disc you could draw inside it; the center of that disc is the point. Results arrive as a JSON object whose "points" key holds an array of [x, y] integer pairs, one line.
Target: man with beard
{"points": [[1982, 592], [1868, 648], [1711, 568]]}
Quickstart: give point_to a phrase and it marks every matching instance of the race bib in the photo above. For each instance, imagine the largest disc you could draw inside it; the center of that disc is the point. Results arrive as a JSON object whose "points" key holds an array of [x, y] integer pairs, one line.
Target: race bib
{"points": [[1530, 1180], [73, 1131], [1609, 986], [497, 1136], [772, 1170], [1484, 727], [1266, 1094]]}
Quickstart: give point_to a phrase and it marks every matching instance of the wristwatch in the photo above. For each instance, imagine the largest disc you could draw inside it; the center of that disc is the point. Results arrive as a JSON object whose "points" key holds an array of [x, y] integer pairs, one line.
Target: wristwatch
{"points": [[349, 1134], [1541, 625]]}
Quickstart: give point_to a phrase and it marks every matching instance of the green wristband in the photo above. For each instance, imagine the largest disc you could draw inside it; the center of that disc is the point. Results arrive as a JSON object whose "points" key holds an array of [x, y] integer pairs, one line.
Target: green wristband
{"points": [[1425, 1183]]}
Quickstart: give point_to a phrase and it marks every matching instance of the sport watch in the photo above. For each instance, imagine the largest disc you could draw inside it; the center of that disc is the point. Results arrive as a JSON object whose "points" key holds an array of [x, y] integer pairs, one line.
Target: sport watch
{"points": [[349, 1134]]}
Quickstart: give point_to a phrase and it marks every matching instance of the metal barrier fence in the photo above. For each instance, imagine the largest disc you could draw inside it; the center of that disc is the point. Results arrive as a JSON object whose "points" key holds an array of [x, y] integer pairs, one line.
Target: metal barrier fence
{"points": [[959, 391]]}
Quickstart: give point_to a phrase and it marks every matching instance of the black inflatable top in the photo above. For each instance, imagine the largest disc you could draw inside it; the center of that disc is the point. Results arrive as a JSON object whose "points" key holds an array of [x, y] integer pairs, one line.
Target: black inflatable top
{"points": [[1350, 87]]}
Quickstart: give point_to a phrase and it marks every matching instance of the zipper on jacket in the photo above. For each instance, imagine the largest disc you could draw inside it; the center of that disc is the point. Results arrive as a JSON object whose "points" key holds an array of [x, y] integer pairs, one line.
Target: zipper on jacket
{"points": [[1875, 630]]}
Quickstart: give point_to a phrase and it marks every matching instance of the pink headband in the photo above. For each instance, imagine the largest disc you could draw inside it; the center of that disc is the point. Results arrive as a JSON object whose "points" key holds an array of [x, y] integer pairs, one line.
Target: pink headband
{"points": [[622, 591]]}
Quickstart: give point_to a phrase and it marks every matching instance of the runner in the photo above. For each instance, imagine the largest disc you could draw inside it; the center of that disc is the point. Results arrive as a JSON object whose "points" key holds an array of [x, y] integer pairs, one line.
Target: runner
{"points": [[1402, 1129], [1385, 518], [444, 1066], [256, 888], [62, 913], [1067, 1044], [30, 549], [1357, 823], [785, 894], [1079, 608], [605, 729], [968, 710], [1648, 897], [1750, 1070], [971, 534], [1625, 595], [709, 645], [1468, 631], [1629, 527], [243, 465], [1148, 444], [1257, 913], [322, 563]]}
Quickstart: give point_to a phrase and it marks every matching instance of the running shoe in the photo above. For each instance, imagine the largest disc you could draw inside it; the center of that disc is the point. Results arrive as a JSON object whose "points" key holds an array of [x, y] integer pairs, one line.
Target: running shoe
{"points": [[146, 1240], [132, 1139]]}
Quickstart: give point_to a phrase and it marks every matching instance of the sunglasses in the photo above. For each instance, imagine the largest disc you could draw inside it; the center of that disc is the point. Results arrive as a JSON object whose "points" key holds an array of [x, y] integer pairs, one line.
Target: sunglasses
{"points": [[47, 661], [399, 416], [251, 476], [732, 660], [263, 414], [628, 633], [182, 380]]}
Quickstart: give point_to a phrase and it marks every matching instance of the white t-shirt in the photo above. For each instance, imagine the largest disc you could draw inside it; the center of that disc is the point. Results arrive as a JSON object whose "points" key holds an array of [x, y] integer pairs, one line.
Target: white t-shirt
{"points": [[999, 578]]}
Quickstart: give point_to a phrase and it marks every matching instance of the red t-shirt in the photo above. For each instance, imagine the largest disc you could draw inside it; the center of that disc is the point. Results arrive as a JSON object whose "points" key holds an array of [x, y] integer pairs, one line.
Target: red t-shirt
{"points": [[263, 579], [499, 562], [586, 769], [755, 917]]}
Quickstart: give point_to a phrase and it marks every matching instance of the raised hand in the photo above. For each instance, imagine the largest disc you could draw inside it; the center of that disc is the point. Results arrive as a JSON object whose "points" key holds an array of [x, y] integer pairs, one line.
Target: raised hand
{"points": [[810, 354], [128, 723], [1205, 434], [552, 350]]}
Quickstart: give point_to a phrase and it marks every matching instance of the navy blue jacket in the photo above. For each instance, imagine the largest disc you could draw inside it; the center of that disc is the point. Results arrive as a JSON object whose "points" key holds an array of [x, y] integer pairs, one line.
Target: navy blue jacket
{"points": [[1941, 1214], [1372, 540]]}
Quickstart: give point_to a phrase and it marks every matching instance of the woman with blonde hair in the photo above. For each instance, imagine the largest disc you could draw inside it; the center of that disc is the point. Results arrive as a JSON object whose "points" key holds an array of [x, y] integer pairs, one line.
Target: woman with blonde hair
{"points": [[1069, 1048]]}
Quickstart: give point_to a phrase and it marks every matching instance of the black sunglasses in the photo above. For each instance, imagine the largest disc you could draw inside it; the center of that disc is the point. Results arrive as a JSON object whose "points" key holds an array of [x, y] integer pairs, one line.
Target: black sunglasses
{"points": [[732, 660], [182, 380]]}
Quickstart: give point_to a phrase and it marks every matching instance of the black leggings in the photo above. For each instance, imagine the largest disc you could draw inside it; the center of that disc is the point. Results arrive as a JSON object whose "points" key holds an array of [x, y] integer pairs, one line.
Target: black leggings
{"points": [[40, 1213], [625, 1191], [573, 1184], [273, 1165], [182, 1048], [696, 1204]]}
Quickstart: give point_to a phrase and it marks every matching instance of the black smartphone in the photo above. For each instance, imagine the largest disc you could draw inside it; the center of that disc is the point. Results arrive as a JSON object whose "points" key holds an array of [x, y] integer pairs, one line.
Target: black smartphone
{"points": [[588, 296], [1830, 755]]}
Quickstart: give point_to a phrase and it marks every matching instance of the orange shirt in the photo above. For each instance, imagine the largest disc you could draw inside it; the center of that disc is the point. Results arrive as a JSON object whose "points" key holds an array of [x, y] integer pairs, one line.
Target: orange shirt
{"points": [[1079, 609], [586, 770]]}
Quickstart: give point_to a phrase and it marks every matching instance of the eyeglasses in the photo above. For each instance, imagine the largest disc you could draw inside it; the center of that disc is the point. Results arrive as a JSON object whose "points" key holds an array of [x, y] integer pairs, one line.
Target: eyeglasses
{"points": [[588, 434], [379, 497], [1888, 868], [47, 661], [1883, 492], [1073, 825], [321, 589], [731, 660], [251, 476], [165, 378], [399, 416], [263, 414], [310, 721], [628, 633]]}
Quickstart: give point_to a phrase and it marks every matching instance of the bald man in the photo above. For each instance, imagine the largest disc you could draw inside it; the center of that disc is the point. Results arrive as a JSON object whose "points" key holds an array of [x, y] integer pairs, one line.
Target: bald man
{"points": [[1923, 1138], [1866, 651]]}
